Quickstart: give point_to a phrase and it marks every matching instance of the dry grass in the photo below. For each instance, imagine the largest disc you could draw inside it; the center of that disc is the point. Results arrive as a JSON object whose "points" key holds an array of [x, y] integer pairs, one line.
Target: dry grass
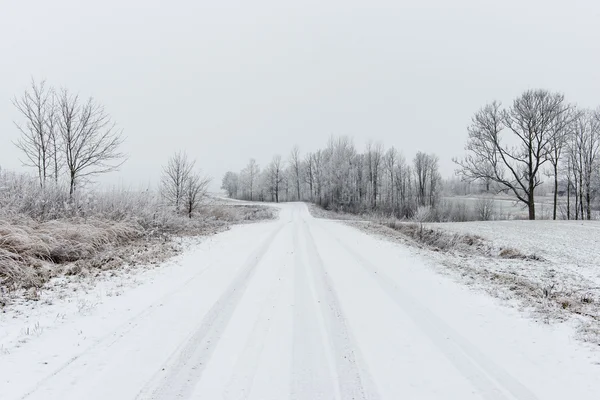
{"points": [[239, 213], [437, 239], [32, 252], [44, 233], [28, 248]]}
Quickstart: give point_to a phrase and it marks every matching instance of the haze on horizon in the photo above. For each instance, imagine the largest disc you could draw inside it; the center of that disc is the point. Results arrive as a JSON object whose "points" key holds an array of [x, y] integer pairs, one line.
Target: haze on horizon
{"points": [[231, 80]]}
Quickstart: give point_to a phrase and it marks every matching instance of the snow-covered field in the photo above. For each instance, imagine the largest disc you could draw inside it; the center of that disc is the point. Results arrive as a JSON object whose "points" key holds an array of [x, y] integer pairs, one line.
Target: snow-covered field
{"points": [[569, 244], [296, 308]]}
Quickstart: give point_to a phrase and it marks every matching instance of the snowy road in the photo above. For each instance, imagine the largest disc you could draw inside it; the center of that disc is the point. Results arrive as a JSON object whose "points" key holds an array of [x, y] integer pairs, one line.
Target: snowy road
{"points": [[301, 308]]}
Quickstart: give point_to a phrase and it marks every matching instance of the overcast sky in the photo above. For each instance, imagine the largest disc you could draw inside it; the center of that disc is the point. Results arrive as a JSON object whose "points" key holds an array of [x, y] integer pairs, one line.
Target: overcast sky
{"points": [[230, 80]]}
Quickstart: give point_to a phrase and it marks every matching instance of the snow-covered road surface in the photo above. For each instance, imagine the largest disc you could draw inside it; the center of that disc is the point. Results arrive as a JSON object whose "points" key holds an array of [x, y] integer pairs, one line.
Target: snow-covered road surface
{"points": [[301, 308]]}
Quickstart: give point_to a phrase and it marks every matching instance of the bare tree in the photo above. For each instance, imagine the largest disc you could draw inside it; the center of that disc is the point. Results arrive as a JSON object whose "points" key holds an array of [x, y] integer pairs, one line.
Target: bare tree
{"points": [[176, 178], [195, 189], [374, 159], [251, 176], [585, 147], [485, 208], [295, 165], [517, 167], [434, 179], [390, 165], [230, 184], [317, 162], [309, 176], [560, 131], [36, 107], [421, 168], [275, 174], [56, 153], [403, 187], [427, 178], [89, 138]]}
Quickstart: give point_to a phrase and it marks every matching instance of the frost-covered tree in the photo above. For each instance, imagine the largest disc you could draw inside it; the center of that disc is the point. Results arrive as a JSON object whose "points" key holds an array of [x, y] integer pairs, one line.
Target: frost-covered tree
{"points": [[89, 138], [38, 138], [510, 146], [175, 179], [584, 149], [230, 184]]}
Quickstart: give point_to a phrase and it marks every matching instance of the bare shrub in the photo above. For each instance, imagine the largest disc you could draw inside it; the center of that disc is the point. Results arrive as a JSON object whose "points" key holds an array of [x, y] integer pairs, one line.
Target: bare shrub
{"points": [[240, 213], [438, 239], [485, 208], [514, 254], [511, 253]]}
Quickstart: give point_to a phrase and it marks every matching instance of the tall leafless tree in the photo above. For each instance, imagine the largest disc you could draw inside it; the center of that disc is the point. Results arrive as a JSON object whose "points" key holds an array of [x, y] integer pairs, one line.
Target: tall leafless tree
{"points": [[37, 130], [275, 177], [374, 159], [390, 165], [175, 179], [195, 189], [584, 150], [516, 167], [56, 148], [317, 162], [309, 176], [434, 179], [295, 164], [421, 168], [89, 138], [230, 184], [561, 129], [250, 174]]}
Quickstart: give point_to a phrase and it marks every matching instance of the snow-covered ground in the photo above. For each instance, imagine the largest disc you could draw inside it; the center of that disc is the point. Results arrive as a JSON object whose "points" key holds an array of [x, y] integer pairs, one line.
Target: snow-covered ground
{"points": [[569, 244], [296, 308]]}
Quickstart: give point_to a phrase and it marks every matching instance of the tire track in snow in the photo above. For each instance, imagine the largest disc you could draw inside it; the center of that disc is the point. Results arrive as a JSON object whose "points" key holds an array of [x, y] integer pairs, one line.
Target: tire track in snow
{"points": [[354, 379], [492, 381], [311, 366], [240, 383], [185, 366], [113, 337]]}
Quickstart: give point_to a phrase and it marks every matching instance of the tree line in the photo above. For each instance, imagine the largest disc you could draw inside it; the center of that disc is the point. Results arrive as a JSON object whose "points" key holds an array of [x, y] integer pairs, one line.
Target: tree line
{"points": [[539, 134], [340, 177]]}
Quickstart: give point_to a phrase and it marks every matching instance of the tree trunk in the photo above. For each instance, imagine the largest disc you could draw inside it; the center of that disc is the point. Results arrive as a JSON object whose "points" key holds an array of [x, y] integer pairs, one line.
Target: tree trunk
{"points": [[72, 187], [588, 201], [555, 190], [531, 205], [569, 197], [581, 194], [375, 193]]}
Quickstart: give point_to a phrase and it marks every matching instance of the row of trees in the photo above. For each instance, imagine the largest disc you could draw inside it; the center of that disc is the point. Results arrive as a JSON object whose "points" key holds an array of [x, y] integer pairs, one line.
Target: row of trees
{"points": [[539, 134], [342, 178], [63, 136]]}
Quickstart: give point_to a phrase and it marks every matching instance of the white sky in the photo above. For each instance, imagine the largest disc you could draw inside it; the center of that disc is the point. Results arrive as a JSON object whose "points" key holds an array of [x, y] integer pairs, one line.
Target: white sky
{"points": [[230, 80]]}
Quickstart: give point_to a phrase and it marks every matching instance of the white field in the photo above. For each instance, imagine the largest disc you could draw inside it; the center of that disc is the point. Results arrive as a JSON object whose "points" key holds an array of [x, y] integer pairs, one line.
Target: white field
{"points": [[297, 308], [508, 208], [573, 245]]}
